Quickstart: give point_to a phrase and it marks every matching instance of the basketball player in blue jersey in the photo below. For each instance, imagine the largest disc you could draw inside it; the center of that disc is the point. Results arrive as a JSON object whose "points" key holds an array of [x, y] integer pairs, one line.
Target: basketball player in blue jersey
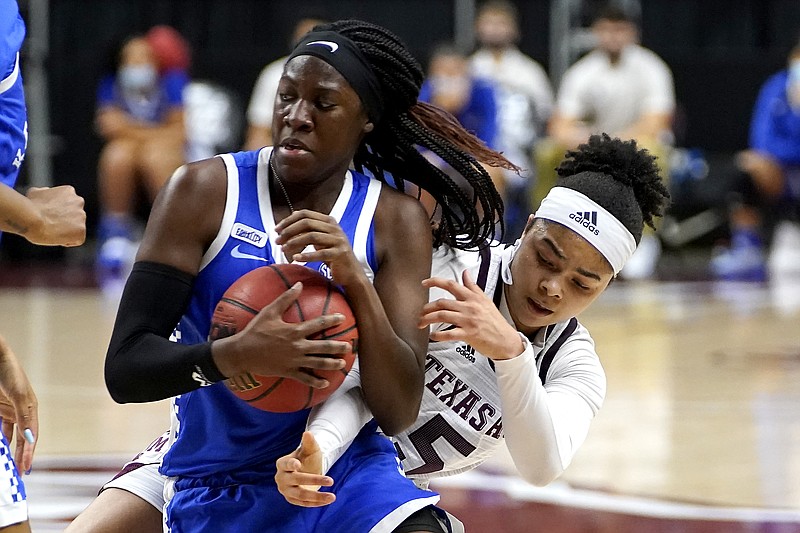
{"points": [[507, 358], [348, 94], [48, 216]]}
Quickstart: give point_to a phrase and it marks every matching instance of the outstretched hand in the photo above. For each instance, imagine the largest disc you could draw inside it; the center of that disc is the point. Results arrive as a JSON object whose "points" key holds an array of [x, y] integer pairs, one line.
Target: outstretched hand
{"points": [[476, 319], [299, 475]]}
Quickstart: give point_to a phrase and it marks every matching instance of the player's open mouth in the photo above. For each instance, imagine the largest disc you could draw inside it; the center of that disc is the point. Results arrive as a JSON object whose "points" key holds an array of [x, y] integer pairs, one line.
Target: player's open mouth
{"points": [[293, 145], [538, 308]]}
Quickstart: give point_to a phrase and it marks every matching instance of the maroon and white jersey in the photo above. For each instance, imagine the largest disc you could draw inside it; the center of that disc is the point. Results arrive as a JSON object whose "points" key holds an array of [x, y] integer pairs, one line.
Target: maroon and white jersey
{"points": [[468, 399]]}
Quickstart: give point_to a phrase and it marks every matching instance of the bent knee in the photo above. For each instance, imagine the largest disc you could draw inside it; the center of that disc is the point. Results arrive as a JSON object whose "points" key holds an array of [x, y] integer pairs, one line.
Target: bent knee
{"points": [[119, 152]]}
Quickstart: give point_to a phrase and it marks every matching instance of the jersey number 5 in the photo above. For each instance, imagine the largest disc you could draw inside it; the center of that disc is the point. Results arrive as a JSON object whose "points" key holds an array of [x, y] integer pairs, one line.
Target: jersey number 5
{"points": [[423, 438]]}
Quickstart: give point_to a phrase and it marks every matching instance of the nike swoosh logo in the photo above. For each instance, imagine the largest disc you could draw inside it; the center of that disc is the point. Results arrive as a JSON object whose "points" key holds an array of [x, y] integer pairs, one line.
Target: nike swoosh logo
{"points": [[333, 46], [236, 254]]}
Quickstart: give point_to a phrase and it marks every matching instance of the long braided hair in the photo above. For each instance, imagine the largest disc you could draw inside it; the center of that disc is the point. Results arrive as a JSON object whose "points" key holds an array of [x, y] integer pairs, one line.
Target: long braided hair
{"points": [[470, 211]]}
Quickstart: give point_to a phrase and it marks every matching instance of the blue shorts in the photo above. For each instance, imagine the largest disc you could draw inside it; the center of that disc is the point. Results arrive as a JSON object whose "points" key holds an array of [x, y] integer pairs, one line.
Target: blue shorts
{"points": [[372, 496]]}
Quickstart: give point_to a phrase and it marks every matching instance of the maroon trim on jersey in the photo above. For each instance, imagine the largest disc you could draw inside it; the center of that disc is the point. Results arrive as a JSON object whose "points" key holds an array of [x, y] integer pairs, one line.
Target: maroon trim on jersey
{"points": [[483, 271], [550, 354]]}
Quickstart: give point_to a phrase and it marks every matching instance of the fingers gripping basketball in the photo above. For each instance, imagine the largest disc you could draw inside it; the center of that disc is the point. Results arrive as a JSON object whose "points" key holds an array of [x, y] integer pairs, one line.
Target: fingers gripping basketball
{"points": [[257, 289]]}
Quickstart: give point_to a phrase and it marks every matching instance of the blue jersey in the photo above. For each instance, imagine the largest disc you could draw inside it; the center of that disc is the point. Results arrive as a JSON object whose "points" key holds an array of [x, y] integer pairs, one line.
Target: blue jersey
{"points": [[223, 459], [775, 126], [13, 116], [213, 425]]}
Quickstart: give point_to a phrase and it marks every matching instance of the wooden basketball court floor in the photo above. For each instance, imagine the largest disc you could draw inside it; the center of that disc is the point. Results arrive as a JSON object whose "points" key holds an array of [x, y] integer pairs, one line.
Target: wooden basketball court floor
{"points": [[700, 430]]}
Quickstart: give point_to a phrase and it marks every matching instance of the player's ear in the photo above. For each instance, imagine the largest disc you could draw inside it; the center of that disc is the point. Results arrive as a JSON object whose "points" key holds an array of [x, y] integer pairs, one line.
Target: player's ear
{"points": [[368, 127]]}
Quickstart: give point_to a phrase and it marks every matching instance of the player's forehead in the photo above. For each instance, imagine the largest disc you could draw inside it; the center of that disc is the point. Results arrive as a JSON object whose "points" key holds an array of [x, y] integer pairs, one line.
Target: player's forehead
{"points": [[314, 72], [137, 50], [566, 243]]}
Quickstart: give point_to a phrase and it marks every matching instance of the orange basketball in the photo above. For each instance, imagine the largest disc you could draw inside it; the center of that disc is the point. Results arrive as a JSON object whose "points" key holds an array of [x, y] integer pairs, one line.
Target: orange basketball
{"points": [[255, 290]]}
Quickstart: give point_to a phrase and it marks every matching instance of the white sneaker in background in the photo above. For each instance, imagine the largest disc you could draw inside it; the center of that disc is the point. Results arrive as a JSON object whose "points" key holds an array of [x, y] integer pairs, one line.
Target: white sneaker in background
{"points": [[784, 255], [643, 262], [114, 263]]}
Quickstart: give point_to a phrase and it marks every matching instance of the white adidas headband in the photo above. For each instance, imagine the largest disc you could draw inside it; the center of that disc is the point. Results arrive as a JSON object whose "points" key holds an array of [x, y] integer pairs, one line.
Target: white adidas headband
{"points": [[591, 221]]}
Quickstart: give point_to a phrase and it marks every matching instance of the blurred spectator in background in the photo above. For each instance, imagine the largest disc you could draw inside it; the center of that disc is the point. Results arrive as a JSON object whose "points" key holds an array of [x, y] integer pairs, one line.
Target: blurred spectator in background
{"points": [[767, 181], [451, 86], [470, 99], [262, 101], [619, 88], [170, 49], [524, 101], [140, 119], [622, 89]]}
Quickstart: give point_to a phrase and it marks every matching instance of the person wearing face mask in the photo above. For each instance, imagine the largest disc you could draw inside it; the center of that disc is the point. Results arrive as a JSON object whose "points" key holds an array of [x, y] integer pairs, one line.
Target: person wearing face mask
{"points": [[766, 177], [524, 100], [471, 99], [140, 119]]}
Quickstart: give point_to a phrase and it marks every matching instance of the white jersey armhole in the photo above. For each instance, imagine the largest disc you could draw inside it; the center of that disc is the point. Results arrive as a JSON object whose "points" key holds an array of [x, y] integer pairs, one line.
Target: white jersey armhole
{"points": [[11, 79], [229, 216], [365, 219]]}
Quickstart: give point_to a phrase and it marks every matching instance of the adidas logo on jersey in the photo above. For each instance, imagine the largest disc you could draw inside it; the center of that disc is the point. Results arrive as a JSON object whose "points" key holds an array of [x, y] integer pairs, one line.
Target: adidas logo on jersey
{"points": [[587, 219], [467, 352]]}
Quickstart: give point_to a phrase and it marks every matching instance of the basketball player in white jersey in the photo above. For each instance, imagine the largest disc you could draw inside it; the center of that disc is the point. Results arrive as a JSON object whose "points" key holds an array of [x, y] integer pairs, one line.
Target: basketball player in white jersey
{"points": [[507, 358]]}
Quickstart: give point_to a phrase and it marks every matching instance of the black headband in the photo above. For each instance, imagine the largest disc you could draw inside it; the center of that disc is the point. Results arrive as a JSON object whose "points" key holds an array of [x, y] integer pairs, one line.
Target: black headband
{"points": [[342, 54]]}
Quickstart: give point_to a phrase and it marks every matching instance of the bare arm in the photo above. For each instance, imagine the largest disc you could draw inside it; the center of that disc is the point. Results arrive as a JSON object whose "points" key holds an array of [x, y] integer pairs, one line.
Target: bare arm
{"points": [[142, 364], [567, 131], [113, 123], [391, 348], [649, 127], [392, 356], [47, 216]]}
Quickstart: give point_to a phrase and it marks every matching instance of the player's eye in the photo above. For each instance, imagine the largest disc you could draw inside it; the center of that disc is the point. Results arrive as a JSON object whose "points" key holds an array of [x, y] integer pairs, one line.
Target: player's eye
{"points": [[580, 285], [544, 261]]}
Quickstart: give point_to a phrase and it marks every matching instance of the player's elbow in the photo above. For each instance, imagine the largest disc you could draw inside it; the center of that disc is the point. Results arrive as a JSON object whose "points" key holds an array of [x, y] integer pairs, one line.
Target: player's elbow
{"points": [[540, 472], [395, 420], [542, 476], [118, 383], [395, 423], [116, 389]]}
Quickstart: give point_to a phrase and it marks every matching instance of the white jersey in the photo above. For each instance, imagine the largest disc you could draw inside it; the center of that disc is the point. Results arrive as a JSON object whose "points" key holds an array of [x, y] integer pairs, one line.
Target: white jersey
{"points": [[461, 417]]}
